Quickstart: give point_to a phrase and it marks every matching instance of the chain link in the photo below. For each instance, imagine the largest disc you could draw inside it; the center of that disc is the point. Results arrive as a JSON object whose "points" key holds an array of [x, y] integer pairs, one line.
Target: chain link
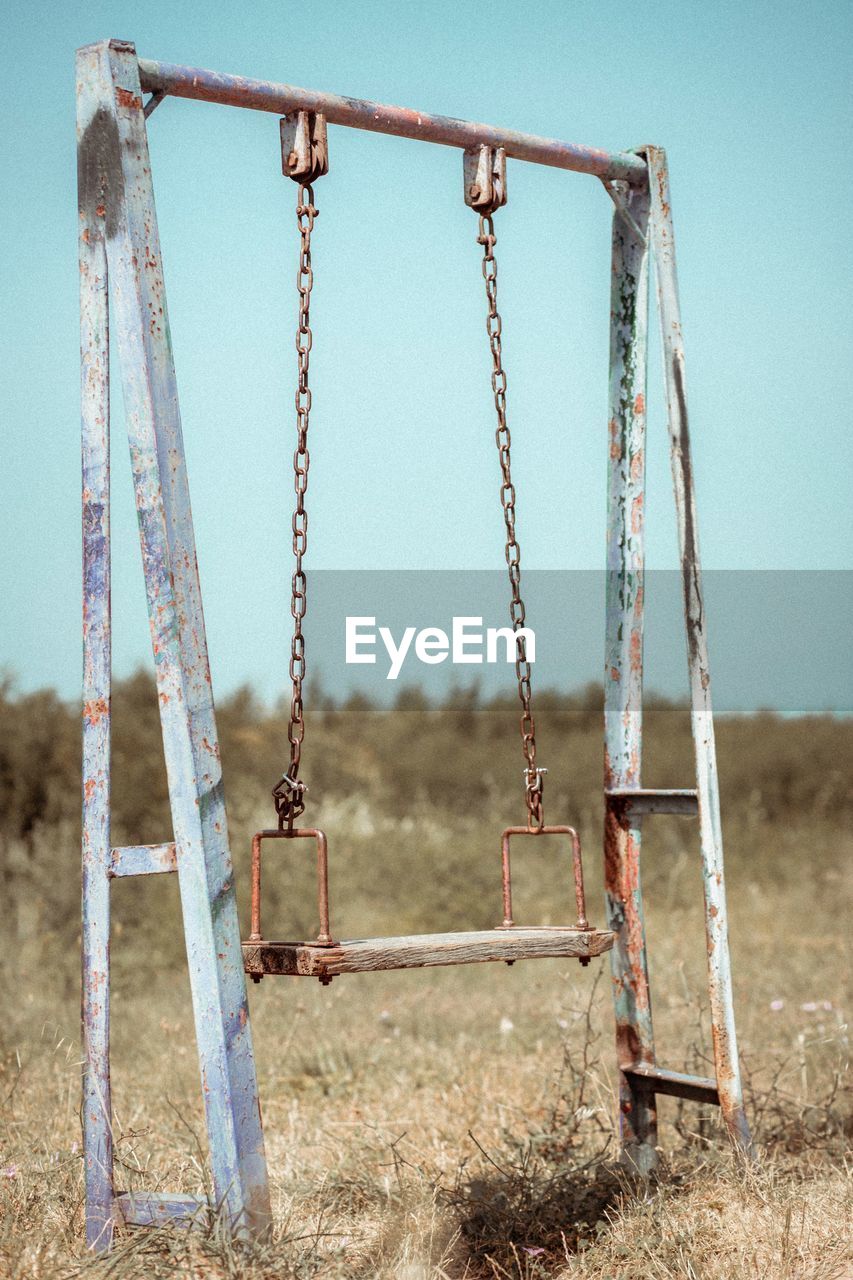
{"points": [[533, 776], [289, 793]]}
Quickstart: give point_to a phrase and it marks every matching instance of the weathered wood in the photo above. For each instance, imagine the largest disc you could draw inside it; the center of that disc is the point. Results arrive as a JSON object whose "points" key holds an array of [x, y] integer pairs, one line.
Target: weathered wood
{"points": [[421, 951]]}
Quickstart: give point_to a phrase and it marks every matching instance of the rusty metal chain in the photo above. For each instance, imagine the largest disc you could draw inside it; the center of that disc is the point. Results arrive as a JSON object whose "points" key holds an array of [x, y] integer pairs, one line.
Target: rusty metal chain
{"points": [[533, 776], [289, 793]]}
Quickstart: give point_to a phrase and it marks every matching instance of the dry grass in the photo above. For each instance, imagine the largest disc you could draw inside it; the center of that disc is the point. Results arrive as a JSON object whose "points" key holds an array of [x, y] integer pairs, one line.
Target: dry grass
{"points": [[455, 1124]]}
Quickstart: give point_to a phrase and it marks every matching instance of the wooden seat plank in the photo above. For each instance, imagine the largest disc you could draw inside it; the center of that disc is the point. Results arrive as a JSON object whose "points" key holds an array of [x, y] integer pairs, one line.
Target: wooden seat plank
{"points": [[419, 951]]}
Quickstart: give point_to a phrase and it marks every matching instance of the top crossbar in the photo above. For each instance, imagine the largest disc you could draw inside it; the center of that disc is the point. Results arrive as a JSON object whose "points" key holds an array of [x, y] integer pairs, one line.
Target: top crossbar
{"points": [[356, 113]]}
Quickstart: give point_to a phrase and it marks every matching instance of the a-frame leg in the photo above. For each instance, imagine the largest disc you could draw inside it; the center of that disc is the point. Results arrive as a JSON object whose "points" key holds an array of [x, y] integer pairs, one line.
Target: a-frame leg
{"points": [[113, 127], [716, 918], [623, 676], [95, 402]]}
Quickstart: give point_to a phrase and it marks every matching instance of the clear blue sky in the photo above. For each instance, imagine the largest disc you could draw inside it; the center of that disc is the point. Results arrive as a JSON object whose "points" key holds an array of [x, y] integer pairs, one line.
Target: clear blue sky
{"points": [[752, 103]]}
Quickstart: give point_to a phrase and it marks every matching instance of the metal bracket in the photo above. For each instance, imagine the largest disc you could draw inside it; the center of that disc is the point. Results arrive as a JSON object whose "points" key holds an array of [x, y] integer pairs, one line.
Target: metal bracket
{"points": [[304, 146], [153, 102], [577, 869], [324, 937], [618, 191], [484, 172]]}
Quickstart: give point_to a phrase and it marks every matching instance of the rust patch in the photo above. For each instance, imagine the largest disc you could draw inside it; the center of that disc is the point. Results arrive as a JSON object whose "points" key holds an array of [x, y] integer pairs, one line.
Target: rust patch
{"points": [[608, 769], [125, 98], [611, 852], [628, 1042], [95, 710], [636, 650]]}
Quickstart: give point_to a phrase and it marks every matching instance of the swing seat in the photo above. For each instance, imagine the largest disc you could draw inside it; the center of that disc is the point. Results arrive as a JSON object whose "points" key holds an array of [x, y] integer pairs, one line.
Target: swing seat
{"points": [[422, 951], [325, 958]]}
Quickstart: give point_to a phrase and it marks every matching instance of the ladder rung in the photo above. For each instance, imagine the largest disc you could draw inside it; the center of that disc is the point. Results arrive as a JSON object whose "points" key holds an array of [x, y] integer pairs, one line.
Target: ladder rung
{"points": [[676, 1083], [143, 859], [154, 1208], [638, 801]]}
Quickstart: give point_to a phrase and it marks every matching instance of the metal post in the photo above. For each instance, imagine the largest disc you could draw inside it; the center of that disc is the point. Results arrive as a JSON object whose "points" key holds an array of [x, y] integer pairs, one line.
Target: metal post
{"points": [[95, 424], [115, 128], [716, 917], [623, 677]]}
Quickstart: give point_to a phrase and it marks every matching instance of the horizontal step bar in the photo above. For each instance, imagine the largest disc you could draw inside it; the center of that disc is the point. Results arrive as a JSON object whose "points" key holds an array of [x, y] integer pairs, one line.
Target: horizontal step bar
{"points": [[143, 859], [155, 1208], [638, 801], [401, 122], [676, 1083]]}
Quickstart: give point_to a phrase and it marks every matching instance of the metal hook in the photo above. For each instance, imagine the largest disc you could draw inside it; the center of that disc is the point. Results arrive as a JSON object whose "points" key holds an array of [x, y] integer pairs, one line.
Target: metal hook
{"points": [[288, 797]]}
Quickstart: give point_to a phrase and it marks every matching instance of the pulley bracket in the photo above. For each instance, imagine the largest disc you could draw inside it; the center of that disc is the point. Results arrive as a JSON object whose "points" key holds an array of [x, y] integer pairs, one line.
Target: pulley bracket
{"points": [[484, 172], [304, 146]]}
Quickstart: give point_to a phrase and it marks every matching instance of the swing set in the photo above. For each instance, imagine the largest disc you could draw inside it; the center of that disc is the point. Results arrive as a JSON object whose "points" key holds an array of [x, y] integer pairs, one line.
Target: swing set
{"points": [[123, 295]]}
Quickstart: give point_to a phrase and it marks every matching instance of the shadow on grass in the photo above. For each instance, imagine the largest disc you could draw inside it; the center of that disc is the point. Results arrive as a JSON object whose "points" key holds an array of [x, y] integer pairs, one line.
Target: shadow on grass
{"points": [[522, 1218]]}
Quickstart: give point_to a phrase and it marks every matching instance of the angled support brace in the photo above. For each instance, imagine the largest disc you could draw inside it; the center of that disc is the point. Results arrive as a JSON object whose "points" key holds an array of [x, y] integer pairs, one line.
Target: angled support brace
{"points": [[707, 785], [117, 200]]}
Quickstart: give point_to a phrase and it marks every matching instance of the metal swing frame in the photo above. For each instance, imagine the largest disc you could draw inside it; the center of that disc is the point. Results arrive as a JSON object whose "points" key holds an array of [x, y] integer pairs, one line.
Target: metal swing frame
{"points": [[122, 298]]}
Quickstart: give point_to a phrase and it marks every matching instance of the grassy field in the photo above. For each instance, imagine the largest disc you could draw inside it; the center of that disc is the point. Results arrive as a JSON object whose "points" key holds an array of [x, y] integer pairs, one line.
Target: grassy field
{"points": [[450, 1123]]}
